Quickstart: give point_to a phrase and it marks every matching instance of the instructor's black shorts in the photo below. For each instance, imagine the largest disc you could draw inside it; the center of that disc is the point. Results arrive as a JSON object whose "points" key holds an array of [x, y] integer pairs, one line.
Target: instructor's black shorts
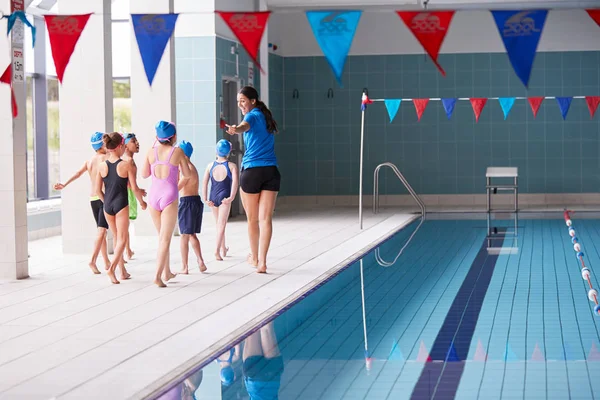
{"points": [[98, 211], [254, 180]]}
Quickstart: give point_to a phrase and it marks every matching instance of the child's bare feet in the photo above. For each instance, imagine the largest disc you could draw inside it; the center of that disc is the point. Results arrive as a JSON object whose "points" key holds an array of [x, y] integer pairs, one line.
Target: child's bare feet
{"points": [[125, 276], [218, 256], [159, 283], [252, 261], [107, 266], [262, 269], [94, 268], [112, 277], [224, 251], [202, 266], [184, 271], [169, 275], [130, 254]]}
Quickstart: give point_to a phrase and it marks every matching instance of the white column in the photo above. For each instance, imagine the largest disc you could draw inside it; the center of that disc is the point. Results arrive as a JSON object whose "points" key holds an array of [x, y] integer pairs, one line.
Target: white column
{"points": [[264, 58], [13, 164], [86, 106], [150, 104]]}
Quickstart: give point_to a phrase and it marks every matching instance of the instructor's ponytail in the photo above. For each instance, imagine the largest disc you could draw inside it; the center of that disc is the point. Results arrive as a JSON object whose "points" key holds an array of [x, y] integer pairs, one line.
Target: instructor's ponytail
{"points": [[252, 94]]}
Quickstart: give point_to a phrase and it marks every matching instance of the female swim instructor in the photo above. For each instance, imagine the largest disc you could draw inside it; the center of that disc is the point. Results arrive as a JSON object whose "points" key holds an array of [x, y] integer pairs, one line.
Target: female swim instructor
{"points": [[260, 178]]}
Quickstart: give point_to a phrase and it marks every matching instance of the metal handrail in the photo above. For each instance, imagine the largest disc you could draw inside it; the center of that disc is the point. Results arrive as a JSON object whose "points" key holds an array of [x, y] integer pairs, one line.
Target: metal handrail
{"points": [[386, 264], [402, 179]]}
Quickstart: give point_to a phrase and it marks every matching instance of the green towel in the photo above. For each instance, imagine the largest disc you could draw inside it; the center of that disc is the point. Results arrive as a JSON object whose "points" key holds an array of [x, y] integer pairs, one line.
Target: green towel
{"points": [[132, 204]]}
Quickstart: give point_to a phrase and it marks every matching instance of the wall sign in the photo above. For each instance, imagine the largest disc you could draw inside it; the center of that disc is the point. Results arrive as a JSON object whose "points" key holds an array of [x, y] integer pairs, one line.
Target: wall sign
{"points": [[18, 66]]}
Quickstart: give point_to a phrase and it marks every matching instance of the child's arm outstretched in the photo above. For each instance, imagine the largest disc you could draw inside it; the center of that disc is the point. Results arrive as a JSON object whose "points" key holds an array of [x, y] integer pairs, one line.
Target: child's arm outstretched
{"points": [[77, 175], [234, 183], [205, 186]]}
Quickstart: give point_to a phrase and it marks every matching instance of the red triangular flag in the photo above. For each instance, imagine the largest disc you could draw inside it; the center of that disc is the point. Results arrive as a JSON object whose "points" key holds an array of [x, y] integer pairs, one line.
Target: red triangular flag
{"points": [[423, 355], [64, 32], [595, 14], [592, 103], [535, 103], [7, 79], [430, 29], [248, 27], [478, 103], [420, 106]]}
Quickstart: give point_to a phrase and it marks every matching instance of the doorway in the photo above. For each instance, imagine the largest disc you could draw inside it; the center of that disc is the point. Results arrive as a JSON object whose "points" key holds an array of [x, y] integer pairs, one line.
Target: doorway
{"points": [[231, 115]]}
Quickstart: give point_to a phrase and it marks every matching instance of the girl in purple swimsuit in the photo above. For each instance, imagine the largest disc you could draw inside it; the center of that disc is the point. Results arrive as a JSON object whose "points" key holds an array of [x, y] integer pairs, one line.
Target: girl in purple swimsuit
{"points": [[162, 162]]}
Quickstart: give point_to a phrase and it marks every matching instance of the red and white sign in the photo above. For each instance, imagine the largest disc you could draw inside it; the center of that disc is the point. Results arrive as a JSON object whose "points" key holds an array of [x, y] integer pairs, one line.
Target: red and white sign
{"points": [[18, 66]]}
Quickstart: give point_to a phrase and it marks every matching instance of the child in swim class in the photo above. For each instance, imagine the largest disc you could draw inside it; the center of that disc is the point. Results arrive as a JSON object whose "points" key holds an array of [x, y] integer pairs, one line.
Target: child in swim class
{"points": [[223, 177]]}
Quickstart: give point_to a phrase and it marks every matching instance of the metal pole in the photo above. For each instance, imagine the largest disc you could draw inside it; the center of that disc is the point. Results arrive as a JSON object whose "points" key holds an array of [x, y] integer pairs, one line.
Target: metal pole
{"points": [[360, 183]]}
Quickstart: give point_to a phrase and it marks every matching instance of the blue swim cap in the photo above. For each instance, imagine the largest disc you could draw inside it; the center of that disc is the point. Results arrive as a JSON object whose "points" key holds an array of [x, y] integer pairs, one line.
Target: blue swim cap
{"points": [[128, 137], [223, 148], [187, 148], [165, 130], [227, 375], [96, 141]]}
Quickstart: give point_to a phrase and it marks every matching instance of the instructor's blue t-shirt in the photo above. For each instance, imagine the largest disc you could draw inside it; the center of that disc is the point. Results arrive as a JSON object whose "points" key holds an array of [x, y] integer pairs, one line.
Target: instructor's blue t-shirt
{"points": [[260, 144]]}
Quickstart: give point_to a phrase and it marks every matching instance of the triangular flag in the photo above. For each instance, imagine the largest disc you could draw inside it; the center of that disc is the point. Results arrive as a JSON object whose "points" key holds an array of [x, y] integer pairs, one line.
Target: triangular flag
{"points": [[248, 27], [64, 32], [395, 353], [430, 29], [452, 356], [506, 103], [521, 32], [595, 14], [509, 355], [152, 32], [423, 355], [7, 79], [449, 106], [12, 18], [564, 103], [594, 354], [478, 103], [480, 354], [535, 103], [334, 31], [592, 103], [537, 354], [420, 106], [392, 107]]}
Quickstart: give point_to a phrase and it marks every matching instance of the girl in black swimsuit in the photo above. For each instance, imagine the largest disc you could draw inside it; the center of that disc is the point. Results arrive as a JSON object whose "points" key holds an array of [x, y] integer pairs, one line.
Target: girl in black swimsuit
{"points": [[114, 174]]}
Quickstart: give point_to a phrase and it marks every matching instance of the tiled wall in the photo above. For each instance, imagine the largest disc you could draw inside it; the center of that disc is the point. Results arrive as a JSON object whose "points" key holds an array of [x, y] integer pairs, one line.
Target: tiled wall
{"points": [[318, 148]]}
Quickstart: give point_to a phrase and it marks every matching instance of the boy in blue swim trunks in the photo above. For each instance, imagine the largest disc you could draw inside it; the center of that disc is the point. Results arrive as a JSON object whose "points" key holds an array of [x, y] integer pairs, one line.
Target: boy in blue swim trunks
{"points": [[190, 212], [223, 176]]}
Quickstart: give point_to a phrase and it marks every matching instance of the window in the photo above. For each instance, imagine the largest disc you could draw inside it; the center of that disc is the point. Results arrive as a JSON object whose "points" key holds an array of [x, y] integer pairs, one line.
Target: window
{"points": [[31, 195], [122, 105], [53, 136]]}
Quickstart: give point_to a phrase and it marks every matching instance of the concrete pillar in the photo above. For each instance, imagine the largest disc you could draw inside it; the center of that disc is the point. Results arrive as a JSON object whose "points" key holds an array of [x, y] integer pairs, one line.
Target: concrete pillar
{"points": [[86, 106], [150, 104], [13, 156]]}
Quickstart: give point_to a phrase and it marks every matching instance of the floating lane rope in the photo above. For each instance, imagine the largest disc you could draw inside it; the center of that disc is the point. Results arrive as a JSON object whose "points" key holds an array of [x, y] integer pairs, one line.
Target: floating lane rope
{"points": [[585, 271]]}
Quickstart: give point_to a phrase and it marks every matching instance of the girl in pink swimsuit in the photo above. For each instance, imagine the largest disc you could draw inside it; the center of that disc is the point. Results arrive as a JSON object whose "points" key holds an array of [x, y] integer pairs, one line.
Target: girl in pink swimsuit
{"points": [[162, 162]]}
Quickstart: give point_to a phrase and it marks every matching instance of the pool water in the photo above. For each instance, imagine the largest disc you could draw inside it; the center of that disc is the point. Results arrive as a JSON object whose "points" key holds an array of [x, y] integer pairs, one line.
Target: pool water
{"points": [[450, 319]]}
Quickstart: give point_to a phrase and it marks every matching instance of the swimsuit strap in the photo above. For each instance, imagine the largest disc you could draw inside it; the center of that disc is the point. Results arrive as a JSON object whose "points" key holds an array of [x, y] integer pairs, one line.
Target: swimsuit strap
{"points": [[167, 161], [225, 164], [170, 154], [155, 156]]}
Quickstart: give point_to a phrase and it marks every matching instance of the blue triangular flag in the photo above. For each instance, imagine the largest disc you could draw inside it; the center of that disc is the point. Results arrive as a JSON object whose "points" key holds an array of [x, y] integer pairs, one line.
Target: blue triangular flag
{"points": [[152, 32], [564, 103], [395, 353], [334, 31], [449, 106], [521, 32], [509, 355], [452, 356], [392, 107], [506, 103], [12, 18]]}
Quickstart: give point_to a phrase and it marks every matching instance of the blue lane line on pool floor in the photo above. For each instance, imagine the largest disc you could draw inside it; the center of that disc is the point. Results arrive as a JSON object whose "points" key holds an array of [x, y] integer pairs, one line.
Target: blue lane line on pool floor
{"points": [[441, 375]]}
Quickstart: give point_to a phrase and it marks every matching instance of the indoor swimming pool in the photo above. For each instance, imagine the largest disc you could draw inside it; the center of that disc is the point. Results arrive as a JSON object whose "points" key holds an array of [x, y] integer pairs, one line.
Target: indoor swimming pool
{"points": [[456, 316]]}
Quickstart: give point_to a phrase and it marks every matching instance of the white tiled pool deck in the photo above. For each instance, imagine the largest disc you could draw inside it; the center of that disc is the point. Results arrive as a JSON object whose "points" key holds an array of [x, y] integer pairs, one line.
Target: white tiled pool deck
{"points": [[66, 333]]}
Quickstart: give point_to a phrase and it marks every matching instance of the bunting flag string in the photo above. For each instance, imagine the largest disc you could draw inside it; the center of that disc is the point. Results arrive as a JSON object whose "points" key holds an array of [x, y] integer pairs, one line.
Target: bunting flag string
{"points": [[249, 28], [592, 103], [392, 106], [478, 103], [12, 18], [420, 106], [152, 33], [595, 15], [506, 103], [564, 103], [334, 31], [64, 32], [521, 32], [6, 78], [430, 29], [449, 106], [535, 103]]}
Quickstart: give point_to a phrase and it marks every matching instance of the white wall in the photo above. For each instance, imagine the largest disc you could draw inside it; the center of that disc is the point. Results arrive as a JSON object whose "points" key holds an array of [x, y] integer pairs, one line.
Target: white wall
{"points": [[383, 32], [200, 23]]}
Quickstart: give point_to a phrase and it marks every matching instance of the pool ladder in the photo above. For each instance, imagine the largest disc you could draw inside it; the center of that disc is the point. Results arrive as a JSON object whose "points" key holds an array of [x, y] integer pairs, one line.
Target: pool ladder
{"points": [[378, 257]]}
